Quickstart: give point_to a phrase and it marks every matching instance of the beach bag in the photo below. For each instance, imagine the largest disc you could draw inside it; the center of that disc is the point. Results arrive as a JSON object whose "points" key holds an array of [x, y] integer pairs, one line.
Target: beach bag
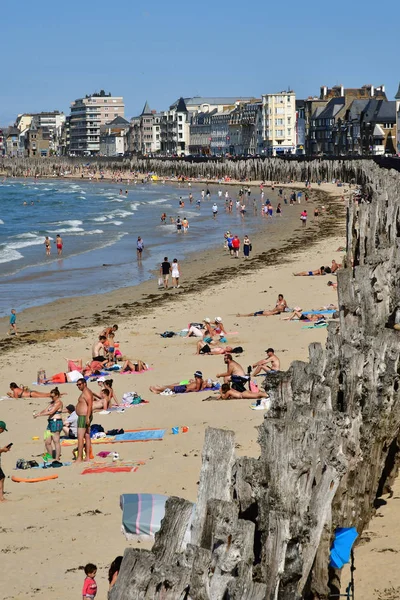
{"points": [[167, 334], [96, 429], [238, 383], [237, 350], [160, 282]]}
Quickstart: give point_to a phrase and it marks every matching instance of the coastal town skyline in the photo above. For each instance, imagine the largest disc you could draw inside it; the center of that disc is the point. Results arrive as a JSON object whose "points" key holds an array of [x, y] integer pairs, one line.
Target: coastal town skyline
{"points": [[156, 54]]}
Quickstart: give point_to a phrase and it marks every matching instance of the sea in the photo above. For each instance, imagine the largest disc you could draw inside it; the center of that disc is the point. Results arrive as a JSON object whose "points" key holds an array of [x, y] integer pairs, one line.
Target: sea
{"points": [[99, 226]]}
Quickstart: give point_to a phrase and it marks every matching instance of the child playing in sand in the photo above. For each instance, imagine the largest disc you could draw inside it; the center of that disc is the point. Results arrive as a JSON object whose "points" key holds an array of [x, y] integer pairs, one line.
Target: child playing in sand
{"points": [[13, 323], [89, 589]]}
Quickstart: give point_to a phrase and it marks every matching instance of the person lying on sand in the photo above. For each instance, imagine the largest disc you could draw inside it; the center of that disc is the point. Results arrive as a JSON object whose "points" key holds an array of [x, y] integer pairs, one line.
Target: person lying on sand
{"points": [[24, 392], [280, 307], [299, 316], [272, 364], [107, 384], [103, 402], [332, 284], [321, 271], [203, 348], [134, 366], [184, 387], [227, 393]]}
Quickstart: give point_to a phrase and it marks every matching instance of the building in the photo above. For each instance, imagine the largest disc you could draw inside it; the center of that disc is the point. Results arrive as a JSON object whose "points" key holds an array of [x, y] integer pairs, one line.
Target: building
{"points": [[87, 116], [327, 123], [200, 133], [114, 137], [245, 126], [156, 129], [378, 128], [397, 100], [174, 129], [279, 123], [51, 121], [220, 132], [300, 127], [3, 145], [12, 141], [37, 141], [198, 104], [144, 136]]}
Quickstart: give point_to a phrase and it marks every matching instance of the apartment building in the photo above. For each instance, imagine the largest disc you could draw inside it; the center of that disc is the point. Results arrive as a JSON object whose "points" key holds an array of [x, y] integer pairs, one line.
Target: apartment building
{"points": [[245, 128], [174, 129], [88, 114], [397, 100], [113, 137], [279, 123]]}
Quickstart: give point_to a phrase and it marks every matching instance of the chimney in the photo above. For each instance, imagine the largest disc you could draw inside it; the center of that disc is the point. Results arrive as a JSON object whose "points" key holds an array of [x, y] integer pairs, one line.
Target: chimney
{"points": [[372, 91], [324, 91], [341, 90]]}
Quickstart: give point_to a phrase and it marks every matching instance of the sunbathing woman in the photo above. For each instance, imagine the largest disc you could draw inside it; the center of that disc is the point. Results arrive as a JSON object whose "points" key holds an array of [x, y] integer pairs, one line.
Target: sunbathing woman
{"points": [[106, 384], [321, 271], [135, 366], [299, 316], [203, 348], [103, 402], [227, 393], [24, 392]]}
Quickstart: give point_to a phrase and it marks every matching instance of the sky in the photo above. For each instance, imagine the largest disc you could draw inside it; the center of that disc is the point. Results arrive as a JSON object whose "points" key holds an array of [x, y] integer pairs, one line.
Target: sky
{"points": [[54, 52]]}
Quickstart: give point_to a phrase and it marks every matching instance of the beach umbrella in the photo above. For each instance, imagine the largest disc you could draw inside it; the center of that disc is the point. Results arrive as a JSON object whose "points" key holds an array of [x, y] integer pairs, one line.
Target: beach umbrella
{"points": [[342, 545]]}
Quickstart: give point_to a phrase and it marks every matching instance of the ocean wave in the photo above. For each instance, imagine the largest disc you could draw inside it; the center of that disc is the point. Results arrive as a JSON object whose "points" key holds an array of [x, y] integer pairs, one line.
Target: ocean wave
{"points": [[26, 235], [1, 222], [94, 231], [73, 223], [8, 255], [120, 213], [81, 197], [134, 205], [114, 223], [71, 230], [100, 219], [159, 201], [26, 243]]}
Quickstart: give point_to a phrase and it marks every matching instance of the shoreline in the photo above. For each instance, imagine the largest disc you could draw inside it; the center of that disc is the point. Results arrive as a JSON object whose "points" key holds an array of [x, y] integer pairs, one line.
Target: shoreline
{"points": [[64, 317]]}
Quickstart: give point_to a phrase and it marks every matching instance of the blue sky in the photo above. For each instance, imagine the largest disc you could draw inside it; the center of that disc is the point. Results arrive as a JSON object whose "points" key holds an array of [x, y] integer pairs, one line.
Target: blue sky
{"points": [[54, 52]]}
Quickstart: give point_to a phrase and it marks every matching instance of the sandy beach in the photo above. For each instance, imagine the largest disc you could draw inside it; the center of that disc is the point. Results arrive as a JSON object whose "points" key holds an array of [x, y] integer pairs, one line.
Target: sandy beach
{"points": [[57, 526]]}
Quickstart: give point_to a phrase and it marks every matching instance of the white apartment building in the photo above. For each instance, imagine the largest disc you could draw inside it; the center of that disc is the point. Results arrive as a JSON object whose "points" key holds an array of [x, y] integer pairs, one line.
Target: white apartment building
{"points": [[279, 123], [87, 115], [397, 98]]}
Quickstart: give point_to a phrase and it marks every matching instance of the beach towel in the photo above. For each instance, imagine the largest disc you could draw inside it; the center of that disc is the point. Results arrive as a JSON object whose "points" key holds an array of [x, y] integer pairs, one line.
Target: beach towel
{"points": [[109, 470], [136, 372], [138, 435], [318, 312], [315, 326]]}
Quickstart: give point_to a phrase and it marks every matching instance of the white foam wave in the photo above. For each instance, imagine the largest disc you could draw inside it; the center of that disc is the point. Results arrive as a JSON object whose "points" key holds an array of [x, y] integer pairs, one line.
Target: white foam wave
{"points": [[94, 231], [71, 230], [134, 205], [120, 213], [100, 219], [159, 201], [26, 243], [26, 235], [1, 222], [73, 223], [115, 222], [81, 197], [8, 255]]}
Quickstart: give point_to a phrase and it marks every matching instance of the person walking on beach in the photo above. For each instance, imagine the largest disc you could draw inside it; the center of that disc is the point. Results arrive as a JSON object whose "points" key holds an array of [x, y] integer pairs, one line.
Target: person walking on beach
{"points": [[165, 271], [175, 273], [3, 427], [303, 217], [59, 244], [47, 245], [214, 210], [139, 248], [13, 323], [84, 410]]}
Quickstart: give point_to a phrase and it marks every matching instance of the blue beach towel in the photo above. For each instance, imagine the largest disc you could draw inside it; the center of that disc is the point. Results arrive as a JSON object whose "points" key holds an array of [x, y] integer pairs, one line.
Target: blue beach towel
{"points": [[138, 436]]}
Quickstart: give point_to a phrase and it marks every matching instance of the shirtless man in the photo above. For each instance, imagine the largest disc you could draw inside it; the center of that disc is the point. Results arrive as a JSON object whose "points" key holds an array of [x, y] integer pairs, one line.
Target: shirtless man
{"points": [[320, 271], [193, 385], [109, 330], [335, 266], [84, 410], [280, 307], [298, 315], [233, 368], [227, 393], [98, 349], [262, 365]]}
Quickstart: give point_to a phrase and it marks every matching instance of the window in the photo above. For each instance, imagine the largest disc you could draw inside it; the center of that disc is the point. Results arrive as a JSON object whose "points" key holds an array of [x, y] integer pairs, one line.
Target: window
{"points": [[280, 133], [279, 122], [180, 127], [180, 118], [279, 111], [288, 99], [288, 120], [289, 131]]}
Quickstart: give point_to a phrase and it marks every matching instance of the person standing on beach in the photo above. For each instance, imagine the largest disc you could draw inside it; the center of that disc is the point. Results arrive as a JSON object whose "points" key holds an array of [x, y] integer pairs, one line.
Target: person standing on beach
{"points": [[214, 210], [139, 248], [59, 244], [175, 273], [84, 410], [3, 427], [246, 246], [303, 217], [47, 245], [165, 271], [236, 245], [13, 323]]}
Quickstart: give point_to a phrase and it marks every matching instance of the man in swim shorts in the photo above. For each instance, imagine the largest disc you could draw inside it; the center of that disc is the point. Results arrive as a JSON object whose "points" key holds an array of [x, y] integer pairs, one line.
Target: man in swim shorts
{"points": [[84, 410], [59, 244], [227, 393], [165, 269], [182, 387], [204, 348], [320, 271], [280, 307], [271, 364]]}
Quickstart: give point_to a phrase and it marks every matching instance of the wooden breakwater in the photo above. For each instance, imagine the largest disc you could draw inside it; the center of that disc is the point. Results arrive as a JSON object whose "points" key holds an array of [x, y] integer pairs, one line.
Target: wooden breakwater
{"points": [[262, 528], [269, 169]]}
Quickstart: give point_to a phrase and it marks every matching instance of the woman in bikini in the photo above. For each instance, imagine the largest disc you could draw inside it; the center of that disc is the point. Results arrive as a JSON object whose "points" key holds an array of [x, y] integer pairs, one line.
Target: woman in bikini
{"points": [[24, 392], [47, 245], [54, 423], [106, 384]]}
